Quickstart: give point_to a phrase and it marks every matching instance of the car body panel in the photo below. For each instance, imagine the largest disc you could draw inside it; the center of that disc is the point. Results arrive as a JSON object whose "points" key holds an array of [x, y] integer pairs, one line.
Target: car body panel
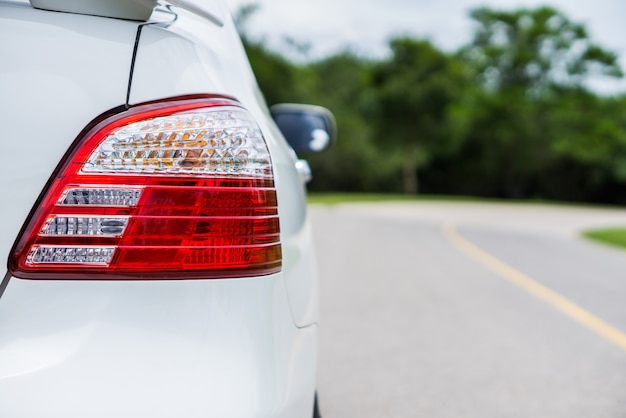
{"points": [[49, 95], [152, 349]]}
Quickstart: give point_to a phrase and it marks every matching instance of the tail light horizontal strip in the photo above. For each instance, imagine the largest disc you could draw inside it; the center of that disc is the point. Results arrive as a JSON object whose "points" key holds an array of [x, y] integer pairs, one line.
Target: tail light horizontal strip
{"points": [[131, 259]]}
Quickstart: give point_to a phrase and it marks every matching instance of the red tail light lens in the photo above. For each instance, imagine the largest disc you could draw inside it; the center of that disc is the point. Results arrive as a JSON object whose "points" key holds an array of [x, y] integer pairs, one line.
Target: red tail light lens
{"points": [[175, 189]]}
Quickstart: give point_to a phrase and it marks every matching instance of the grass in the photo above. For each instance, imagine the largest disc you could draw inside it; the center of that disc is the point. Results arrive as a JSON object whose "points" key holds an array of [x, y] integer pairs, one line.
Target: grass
{"points": [[336, 198], [611, 236]]}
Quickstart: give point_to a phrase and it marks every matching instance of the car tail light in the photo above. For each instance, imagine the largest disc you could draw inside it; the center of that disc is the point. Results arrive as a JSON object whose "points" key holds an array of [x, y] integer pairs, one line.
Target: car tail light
{"points": [[175, 189]]}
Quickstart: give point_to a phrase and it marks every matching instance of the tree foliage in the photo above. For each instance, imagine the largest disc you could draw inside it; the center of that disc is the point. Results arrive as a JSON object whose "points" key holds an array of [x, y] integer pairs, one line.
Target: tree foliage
{"points": [[414, 91], [532, 66], [535, 50], [510, 114]]}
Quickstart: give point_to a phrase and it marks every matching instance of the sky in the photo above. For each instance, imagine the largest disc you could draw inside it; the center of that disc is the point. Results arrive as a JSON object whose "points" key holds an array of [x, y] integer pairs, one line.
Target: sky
{"points": [[365, 26]]}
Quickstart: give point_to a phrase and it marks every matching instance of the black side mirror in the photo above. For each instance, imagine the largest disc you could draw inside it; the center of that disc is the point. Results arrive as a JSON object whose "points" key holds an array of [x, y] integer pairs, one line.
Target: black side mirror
{"points": [[307, 128]]}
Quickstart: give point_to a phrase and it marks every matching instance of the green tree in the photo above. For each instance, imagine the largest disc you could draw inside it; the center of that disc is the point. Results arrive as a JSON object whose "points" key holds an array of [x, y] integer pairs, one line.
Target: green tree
{"points": [[535, 50], [353, 164], [531, 64], [414, 92], [590, 132]]}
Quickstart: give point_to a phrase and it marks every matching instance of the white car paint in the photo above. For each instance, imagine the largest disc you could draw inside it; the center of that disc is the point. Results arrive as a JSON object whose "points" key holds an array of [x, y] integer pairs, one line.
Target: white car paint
{"points": [[192, 348], [52, 86]]}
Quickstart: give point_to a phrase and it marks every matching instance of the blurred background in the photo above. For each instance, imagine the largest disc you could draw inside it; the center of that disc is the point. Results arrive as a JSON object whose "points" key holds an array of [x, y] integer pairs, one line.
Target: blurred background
{"points": [[495, 99]]}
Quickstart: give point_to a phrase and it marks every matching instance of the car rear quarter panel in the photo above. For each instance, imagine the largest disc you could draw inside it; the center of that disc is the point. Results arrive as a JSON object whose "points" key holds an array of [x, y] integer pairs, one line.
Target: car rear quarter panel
{"points": [[52, 85], [192, 349]]}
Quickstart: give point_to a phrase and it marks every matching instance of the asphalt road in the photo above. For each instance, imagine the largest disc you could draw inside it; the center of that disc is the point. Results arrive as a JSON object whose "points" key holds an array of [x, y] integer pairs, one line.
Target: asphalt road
{"points": [[469, 310]]}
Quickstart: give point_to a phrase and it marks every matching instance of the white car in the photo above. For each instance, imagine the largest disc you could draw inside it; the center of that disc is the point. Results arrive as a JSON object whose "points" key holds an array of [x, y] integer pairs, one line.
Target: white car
{"points": [[159, 254]]}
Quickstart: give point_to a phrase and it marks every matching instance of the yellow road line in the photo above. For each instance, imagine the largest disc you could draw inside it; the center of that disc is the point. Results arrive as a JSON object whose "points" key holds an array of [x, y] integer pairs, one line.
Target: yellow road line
{"points": [[536, 289]]}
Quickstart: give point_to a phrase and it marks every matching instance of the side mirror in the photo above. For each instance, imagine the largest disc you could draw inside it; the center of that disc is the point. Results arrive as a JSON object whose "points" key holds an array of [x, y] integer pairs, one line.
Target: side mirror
{"points": [[308, 129]]}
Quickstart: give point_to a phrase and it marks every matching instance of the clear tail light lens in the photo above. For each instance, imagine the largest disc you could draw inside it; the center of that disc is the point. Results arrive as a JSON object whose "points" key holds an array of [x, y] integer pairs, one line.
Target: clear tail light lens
{"points": [[175, 189]]}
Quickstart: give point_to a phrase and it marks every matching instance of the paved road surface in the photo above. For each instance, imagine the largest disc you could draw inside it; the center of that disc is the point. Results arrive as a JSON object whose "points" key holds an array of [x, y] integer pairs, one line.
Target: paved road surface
{"points": [[470, 310]]}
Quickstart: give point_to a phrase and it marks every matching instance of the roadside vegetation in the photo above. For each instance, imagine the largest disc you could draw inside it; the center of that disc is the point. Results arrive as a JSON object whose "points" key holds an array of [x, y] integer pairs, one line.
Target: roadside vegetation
{"points": [[333, 198], [509, 115], [612, 236]]}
